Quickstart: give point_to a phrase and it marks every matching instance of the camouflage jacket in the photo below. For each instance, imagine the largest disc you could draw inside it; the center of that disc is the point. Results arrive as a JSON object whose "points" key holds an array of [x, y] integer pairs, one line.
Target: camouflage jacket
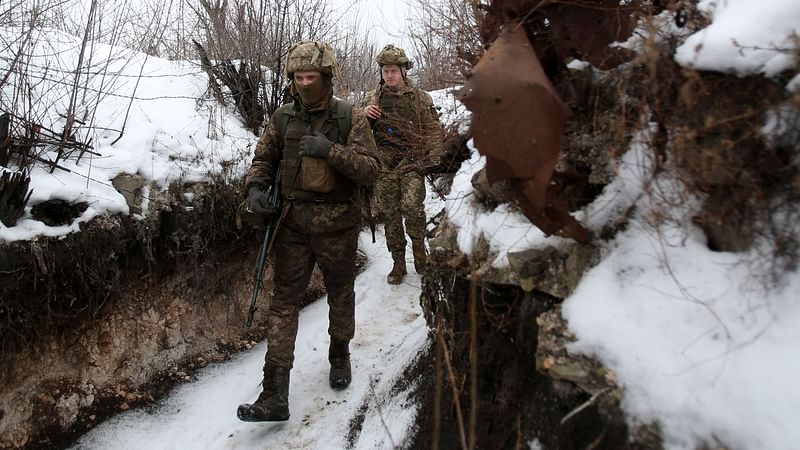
{"points": [[408, 130], [358, 159]]}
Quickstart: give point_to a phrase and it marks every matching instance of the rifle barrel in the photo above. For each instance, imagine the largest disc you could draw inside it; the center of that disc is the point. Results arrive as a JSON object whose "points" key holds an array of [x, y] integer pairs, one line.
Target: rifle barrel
{"points": [[260, 263], [275, 201]]}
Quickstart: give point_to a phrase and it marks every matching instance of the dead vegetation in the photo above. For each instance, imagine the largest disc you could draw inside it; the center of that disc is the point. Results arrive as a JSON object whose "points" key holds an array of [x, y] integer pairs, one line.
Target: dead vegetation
{"points": [[244, 43], [47, 284], [730, 142], [726, 144]]}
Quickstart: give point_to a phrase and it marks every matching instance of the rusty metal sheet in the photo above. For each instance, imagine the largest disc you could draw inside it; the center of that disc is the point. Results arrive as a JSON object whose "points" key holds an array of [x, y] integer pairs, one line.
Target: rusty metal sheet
{"points": [[517, 122], [517, 117]]}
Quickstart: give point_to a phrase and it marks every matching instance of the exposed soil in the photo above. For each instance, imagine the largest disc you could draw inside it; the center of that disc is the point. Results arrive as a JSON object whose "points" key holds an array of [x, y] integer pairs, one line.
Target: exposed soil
{"points": [[128, 353], [515, 403], [113, 317]]}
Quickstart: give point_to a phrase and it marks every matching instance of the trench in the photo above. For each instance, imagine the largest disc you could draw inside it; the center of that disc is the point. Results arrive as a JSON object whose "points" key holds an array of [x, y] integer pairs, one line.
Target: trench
{"points": [[516, 406], [113, 317], [140, 306]]}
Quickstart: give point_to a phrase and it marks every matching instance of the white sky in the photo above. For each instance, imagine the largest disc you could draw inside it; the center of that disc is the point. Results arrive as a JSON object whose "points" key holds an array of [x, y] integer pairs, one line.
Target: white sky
{"points": [[698, 345], [386, 20]]}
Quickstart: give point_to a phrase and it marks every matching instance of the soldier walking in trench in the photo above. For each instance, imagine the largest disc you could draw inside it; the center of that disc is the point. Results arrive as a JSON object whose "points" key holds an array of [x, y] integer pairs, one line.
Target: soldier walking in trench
{"points": [[409, 136], [325, 150]]}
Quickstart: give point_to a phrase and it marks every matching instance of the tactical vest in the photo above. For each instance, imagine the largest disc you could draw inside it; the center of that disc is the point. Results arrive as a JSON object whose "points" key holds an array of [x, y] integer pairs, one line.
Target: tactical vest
{"points": [[399, 125], [292, 124]]}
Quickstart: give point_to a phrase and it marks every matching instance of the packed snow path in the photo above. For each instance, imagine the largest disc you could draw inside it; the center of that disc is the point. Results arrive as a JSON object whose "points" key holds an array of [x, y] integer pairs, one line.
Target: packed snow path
{"points": [[390, 334]]}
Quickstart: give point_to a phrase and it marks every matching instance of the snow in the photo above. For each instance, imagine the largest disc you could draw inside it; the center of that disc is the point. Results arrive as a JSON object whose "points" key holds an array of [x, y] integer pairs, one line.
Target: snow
{"points": [[696, 342], [171, 133], [390, 335], [745, 37], [699, 346]]}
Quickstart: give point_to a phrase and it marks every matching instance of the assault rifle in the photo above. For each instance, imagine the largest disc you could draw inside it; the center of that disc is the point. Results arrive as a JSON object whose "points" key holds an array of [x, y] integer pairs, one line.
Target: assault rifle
{"points": [[273, 195]]}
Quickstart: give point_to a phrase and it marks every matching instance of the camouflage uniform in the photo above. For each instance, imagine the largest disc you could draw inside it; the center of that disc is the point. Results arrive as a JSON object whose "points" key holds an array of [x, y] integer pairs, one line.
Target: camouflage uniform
{"points": [[325, 150], [408, 135], [315, 229]]}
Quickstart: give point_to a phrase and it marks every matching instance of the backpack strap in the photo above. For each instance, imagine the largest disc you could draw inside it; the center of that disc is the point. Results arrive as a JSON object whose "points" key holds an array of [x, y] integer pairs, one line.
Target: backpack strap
{"points": [[343, 113], [282, 116]]}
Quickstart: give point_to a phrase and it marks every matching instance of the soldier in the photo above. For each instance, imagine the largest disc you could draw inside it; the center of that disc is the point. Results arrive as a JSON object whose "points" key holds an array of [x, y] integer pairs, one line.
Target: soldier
{"points": [[325, 150], [409, 136]]}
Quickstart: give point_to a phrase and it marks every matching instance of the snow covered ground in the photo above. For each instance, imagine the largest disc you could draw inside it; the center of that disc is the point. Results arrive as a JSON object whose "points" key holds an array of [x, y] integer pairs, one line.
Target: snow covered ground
{"points": [[699, 346], [390, 335], [143, 115]]}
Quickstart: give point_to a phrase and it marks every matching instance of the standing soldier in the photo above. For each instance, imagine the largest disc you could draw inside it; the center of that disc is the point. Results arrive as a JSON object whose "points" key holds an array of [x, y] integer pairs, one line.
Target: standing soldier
{"points": [[325, 150], [409, 136]]}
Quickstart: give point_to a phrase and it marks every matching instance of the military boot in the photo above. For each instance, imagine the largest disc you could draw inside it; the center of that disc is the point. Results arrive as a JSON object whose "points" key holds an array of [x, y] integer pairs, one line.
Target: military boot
{"points": [[339, 356], [272, 404], [398, 271], [420, 257]]}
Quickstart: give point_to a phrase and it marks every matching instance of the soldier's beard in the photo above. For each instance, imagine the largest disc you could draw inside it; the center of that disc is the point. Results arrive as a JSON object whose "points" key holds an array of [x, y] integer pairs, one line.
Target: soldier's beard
{"points": [[315, 96]]}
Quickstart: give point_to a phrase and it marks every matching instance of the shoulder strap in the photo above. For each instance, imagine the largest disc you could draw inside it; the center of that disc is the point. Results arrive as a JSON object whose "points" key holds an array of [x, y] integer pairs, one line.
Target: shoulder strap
{"points": [[344, 118], [282, 116], [343, 115]]}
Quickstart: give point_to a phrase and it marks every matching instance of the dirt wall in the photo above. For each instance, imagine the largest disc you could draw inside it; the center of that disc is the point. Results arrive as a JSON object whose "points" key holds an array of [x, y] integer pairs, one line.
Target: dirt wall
{"points": [[112, 317]]}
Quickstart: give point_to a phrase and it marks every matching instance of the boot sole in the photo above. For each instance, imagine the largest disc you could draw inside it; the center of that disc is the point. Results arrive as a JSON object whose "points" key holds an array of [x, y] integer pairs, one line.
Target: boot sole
{"points": [[246, 415]]}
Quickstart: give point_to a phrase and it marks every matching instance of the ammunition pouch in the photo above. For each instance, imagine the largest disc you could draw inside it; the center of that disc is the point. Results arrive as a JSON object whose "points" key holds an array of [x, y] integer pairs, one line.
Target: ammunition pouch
{"points": [[316, 175]]}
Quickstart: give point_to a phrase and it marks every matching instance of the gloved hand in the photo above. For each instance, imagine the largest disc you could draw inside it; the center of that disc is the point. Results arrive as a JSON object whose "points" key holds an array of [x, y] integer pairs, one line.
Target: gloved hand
{"points": [[258, 202], [316, 146]]}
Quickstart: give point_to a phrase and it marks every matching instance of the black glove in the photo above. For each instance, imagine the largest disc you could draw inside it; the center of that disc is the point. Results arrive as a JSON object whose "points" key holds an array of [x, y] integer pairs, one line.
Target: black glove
{"points": [[258, 202], [316, 146]]}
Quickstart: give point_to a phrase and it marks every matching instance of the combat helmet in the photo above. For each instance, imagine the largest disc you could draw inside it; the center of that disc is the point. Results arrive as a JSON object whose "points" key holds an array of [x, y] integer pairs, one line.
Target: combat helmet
{"points": [[393, 55], [311, 55]]}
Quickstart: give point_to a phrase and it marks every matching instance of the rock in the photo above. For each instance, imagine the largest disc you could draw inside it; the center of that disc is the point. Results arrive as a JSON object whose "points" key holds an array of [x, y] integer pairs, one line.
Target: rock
{"points": [[491, 194], [554, 270], [130, 186]]}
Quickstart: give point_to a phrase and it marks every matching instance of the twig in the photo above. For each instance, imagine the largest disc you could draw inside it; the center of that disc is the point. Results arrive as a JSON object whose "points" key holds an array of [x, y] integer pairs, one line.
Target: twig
{"points": [[473, 357], [453, 384], [135, 88], [437, 396], [585, 405], [65, 135]]}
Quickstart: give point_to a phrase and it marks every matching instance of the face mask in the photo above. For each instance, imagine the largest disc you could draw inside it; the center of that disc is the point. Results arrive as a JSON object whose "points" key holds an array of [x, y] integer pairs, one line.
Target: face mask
{"points": [[315, 95]]}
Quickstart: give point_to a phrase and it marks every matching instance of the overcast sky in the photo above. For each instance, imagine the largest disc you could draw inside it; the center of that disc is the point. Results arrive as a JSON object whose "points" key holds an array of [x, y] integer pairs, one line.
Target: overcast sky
{"points": [[385, 19]]}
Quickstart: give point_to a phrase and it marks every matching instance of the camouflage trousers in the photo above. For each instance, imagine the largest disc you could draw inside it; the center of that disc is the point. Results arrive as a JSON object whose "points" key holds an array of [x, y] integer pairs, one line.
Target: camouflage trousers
{"points": [[312, 233], [401, 197]]}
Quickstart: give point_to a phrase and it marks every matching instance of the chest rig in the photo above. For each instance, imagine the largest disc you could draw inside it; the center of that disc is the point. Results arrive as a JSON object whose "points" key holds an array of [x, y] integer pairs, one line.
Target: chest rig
{"points": [[293, 123], [399, 125]]}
